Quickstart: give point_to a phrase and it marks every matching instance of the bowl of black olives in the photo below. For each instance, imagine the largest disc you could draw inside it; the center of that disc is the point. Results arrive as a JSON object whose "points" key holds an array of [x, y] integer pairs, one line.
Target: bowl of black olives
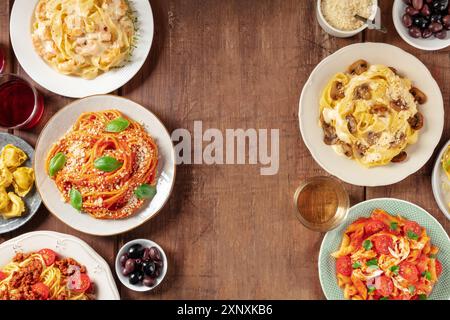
{"points": [[424, 24], [141, 265]]}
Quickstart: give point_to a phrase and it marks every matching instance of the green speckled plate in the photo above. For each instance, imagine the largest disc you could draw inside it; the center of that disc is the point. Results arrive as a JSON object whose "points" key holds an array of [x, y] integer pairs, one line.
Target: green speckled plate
{"points": [[332, 241]]}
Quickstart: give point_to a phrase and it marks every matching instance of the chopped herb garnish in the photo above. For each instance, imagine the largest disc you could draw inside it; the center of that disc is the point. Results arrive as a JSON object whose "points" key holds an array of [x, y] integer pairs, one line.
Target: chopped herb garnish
{"points": [[427, 275], [432, 256], [423, 297], [412, 235], [371, 289], [384, 298], [367, 244], [394, 269], [394, 226], [411, 289], [356, 265], [373, 262]]}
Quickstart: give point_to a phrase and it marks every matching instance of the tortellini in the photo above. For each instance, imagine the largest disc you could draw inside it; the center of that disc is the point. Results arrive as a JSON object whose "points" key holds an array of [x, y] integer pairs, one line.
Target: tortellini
{"points": [[23, 179], [6, 177], [15, 207], [12, 175], [4, 199], [12, 157]]}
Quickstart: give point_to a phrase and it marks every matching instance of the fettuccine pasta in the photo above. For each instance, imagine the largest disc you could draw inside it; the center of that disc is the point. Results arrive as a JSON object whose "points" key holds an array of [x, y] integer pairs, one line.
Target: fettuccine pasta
{"points": [[83, 37], [370, 114]]}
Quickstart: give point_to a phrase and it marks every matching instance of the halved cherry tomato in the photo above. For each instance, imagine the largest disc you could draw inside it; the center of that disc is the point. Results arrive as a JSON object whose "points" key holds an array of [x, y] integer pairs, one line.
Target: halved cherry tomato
{"points": [[422, 264], [382, 243], [2, 276], [85, 283], [41, 289], [413, 227], [344, 266], [386, 286], [374, 226], [409, 271], [438, 267], [49, 256]]}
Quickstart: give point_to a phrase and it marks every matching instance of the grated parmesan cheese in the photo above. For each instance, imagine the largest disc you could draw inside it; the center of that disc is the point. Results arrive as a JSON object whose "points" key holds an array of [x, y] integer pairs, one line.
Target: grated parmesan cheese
{"points": [[340, 14]]}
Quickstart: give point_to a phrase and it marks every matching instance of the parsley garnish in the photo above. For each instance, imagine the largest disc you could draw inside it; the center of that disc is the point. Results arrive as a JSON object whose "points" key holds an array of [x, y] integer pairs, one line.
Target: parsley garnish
{"points": [[373, 262], [356, 265], [394, 226], [427, 275], [394, 269], [367, 244], [411, 289], [412, 235]]}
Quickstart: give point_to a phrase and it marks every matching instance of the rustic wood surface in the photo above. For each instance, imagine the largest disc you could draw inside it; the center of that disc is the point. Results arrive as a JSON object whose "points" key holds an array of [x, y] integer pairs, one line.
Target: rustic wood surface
{"points": [[229, 232]]}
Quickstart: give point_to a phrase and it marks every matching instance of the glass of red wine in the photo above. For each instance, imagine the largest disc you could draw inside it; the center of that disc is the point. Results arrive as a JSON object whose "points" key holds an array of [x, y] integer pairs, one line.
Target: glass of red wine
{"points": [[21, 105]]}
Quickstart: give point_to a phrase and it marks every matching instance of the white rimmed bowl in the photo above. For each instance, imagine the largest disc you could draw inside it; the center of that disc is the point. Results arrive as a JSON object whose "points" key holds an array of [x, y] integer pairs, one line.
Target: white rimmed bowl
{"points": [[60, 123], [441, 184], [125, 280], [70, 86], [341, 33], [65, 246], [430, 44], [346, 169]]}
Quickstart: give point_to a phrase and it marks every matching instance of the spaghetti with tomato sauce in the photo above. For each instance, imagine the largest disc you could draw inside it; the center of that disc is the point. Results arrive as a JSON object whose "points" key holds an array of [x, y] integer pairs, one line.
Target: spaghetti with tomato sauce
{"points": [[101, 163], [43, 275], [386, 257]]}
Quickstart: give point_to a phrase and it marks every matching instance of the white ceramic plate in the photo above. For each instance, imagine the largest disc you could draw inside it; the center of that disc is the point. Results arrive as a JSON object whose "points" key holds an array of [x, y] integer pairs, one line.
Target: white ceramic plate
{"points": [[71, 86], [65, 246], [344, 168], [61, 122], [441, 184], [431, 44]]}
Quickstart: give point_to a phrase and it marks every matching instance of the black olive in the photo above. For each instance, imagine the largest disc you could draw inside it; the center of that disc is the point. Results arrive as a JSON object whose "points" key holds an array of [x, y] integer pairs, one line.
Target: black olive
{"points": [[136, 277], [135, 251], [149, 268], [420, 21], [436, 17], [439, 5]]}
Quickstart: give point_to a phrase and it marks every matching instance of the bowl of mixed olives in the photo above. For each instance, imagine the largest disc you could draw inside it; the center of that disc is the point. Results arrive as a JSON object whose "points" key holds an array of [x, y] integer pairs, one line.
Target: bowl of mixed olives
{"points": [[424, 24], [141, 265]]}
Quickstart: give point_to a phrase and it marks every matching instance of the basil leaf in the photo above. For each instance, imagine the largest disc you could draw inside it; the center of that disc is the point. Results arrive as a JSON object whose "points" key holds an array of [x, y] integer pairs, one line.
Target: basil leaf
{"points": [[356, 265], [117, 125], [394, 226], [367, 244], [395, 269], [411, 289], [423, 297], [427, 275], [76, 200], [373, 262], [145, 191], [56, 163], [371, 289], [107, 164], [412, 235], [384, 298]]}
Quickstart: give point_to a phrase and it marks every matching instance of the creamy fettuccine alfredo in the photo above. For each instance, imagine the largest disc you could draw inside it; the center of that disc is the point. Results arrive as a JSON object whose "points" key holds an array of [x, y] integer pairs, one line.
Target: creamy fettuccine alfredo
{"points": [[370, 114], [83, 37]]}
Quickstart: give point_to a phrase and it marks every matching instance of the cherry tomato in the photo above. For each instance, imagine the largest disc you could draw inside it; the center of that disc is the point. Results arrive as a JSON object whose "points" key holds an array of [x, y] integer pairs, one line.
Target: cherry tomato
{"points": [[344, 266], [386, 286], [85, 283], [413, 227], [356, 240], [422, 265], [382, 244], [41, 289], [49, 256], [438, 267], [374, 226], [409, 271], [2, 276]]}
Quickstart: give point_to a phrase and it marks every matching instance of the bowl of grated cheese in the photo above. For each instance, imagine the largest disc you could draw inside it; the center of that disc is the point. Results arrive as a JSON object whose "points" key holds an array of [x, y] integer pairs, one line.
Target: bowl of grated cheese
{"points": [[337, 17]]}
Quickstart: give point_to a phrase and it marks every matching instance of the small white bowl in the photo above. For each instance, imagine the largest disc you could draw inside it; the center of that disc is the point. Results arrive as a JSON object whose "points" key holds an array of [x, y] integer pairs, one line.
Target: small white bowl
{"points": [[341, 33], [430, 44], [125, 280], [438, 180]]}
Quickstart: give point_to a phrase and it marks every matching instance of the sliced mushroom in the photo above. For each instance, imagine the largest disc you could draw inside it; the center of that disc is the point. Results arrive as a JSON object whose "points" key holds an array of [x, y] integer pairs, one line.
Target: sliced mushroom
{"points": [[398, 105], [351, 124], [329, 132], [362, 92], [418, 95], [395, 71], [347, 149], [360, 150], [337, 90], [416, 121], [379, 109], [373, 137], [358, 67], [398, 140], [400, 157]]}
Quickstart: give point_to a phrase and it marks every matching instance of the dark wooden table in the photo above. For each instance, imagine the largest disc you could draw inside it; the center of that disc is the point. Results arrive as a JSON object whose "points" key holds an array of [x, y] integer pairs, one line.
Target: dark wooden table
{"points": [[230, 232]]}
